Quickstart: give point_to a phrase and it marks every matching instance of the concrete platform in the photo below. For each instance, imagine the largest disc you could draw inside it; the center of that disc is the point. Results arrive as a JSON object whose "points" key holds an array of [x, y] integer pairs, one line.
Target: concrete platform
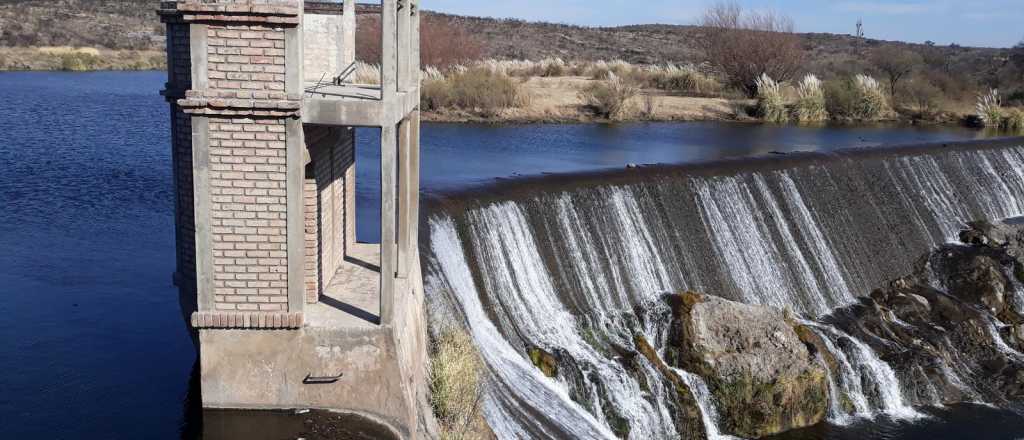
{"points": [[352, 299], [352, 92]]}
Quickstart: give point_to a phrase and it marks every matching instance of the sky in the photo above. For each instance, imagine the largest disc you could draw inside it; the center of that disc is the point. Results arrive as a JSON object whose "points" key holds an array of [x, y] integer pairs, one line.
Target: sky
{"points": [[991, 23]]}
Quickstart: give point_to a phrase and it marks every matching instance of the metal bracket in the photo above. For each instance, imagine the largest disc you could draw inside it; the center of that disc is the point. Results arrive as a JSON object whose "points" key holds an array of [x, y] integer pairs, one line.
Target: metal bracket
{"points": [[321, 380]]}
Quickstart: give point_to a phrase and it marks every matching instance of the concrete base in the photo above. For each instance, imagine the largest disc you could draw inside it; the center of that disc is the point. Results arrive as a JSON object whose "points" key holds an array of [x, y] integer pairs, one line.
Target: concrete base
{"points": [[265, 369], [382, 368]]}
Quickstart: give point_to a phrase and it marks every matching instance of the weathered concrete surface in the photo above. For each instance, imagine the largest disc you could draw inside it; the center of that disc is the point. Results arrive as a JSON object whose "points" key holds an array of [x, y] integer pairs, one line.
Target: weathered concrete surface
{"points": [[383, 367]]}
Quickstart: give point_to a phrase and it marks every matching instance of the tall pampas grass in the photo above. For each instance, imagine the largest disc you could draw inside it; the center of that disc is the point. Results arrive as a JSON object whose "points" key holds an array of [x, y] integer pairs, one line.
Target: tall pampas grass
{"points": [[771, 105], [810, 101], [871, 103], [990, 109]]}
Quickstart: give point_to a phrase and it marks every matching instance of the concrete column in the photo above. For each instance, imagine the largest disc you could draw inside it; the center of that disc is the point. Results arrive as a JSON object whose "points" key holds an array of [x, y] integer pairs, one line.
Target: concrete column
{"points": [[202, 211], [404, 41], [415, 49], [414, 182], [295, 207], [348, 33], [198, 35], [293, 61], [388, 186], [389, 57], [404, 199]]}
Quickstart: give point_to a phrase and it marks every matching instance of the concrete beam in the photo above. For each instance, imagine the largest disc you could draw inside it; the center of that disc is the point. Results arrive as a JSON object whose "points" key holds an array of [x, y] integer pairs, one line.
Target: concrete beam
{"points": [[201, 212], [296, 234], [388, 186], [359, 113]]}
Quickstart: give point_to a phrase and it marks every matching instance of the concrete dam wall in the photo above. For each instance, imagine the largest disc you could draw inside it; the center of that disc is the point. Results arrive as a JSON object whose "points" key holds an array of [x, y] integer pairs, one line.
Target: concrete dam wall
{"points": [[577, 265]]}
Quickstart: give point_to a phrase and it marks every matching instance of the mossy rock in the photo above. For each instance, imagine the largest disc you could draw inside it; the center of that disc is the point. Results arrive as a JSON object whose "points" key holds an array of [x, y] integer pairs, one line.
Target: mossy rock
{"points": [[750, 408], [545, 361], [688, 419]]}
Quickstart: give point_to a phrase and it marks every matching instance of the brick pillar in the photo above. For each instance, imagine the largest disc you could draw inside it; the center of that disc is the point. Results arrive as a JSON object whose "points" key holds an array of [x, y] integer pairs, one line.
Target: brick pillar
{"points": [[243, 101]]}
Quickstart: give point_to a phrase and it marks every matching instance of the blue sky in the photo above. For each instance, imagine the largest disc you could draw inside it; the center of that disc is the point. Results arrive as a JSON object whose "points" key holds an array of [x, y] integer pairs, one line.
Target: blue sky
{"points": [[998, 23]]}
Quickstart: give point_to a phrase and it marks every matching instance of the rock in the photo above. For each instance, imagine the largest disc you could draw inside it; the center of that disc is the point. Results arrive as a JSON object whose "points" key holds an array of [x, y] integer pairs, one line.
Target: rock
{"points": [[763, 376], [545, 361], [689, 423]]}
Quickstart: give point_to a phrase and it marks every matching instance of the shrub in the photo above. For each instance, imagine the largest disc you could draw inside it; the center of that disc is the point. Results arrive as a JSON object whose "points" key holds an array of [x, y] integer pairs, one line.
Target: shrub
{"points": [[858, 99], [456, 376], [475, 89], [810, 101], [1013, 121], [686, 79], [921, 98], [435, 94], [771, 106], [990, 109], [78, 61], [609, 99], [551, 67], [840, 98]]}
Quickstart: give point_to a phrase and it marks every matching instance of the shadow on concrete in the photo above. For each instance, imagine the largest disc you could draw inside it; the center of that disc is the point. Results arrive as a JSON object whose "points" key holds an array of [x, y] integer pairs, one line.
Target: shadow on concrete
{"points": [[361, 263], [351, 309]]}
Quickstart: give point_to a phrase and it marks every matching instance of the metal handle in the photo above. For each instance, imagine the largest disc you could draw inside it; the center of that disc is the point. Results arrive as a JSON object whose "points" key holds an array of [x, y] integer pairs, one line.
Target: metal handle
{"points": [[320, 380]]}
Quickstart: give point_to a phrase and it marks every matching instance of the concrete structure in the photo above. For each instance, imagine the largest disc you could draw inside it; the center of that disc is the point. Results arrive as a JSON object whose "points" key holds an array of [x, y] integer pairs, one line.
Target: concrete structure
{"points": [[288, 308]]}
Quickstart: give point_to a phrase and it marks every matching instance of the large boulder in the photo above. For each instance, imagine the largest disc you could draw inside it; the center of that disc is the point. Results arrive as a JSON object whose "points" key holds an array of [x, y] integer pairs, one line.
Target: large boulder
{"points": [[765, 380]]}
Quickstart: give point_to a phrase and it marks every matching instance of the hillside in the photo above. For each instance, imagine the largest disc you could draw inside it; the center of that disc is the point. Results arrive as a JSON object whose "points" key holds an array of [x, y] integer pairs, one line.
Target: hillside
{"points": [[132, 26]]}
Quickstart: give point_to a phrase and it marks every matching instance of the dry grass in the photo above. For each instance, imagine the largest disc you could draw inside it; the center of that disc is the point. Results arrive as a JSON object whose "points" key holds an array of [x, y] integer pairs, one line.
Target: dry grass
{"points": [[79, 59], [477, 90], [366, 74], [609, 99], [456, 379]]}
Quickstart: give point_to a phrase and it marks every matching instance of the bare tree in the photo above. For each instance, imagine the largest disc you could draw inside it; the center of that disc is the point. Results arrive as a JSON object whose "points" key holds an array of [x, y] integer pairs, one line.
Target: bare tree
{"points": [[744, 45], [895, 64], [443, 42]]}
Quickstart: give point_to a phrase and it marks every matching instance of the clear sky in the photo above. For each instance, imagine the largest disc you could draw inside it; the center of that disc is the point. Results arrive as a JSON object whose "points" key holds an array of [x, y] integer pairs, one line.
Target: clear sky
{"points": [[995, 23]]}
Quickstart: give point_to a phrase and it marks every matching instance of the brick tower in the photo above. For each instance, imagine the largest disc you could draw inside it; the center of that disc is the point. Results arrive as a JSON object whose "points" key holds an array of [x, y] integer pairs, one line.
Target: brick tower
{"points": [[289, 310]]}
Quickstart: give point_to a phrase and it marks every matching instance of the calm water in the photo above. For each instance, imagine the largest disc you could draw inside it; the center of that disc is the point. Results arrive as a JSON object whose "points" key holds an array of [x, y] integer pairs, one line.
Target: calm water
{"points": [[93, 342]]}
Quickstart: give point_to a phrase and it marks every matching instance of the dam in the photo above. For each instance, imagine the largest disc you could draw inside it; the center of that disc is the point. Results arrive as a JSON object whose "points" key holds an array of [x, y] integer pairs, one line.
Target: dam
{"points": [[288, 309], [576, 267]]}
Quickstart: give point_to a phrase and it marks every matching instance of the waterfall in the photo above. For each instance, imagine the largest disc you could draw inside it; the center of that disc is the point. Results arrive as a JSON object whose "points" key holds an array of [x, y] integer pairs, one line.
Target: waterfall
{"points": [[705, 402], [566, 265], [859, 365]]}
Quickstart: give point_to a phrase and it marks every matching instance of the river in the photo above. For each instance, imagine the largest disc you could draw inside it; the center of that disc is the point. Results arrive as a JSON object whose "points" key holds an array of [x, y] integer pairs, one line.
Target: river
{"points": [[93, 342]]}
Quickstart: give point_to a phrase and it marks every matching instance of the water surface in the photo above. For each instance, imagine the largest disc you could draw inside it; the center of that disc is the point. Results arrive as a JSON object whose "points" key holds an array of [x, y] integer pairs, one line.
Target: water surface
{"points": [[93, 342]]}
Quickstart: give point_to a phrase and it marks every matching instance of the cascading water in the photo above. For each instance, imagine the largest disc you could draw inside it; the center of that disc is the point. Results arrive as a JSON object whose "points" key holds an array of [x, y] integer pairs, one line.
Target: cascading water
{"points": [[569, 267]]}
